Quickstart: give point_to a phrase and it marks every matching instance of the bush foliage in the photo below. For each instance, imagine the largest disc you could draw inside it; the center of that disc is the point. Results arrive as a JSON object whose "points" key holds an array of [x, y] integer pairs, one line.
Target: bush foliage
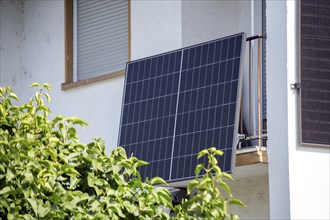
{"points": [[47, 173]]}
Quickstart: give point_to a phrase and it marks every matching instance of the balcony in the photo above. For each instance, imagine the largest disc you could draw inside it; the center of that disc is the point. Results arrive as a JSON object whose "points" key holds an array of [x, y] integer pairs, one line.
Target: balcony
{"points": [[251, 154]]}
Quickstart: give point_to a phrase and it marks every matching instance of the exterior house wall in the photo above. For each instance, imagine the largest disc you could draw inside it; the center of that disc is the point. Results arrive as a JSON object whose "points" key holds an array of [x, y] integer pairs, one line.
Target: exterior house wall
{"points": [[307, 163], [298, 174], [253, 191], [155, 27], [41, 58], [32, 49], [11, 21], [208, 20], [277, 123]]}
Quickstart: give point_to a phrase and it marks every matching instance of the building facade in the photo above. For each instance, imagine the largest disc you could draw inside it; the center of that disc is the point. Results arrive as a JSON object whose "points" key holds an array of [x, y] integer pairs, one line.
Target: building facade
{"points": [[58, 43]]}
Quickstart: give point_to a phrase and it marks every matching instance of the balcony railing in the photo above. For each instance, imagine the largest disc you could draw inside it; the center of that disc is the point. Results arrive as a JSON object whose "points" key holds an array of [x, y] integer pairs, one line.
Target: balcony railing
{"points": [[254, 133]]}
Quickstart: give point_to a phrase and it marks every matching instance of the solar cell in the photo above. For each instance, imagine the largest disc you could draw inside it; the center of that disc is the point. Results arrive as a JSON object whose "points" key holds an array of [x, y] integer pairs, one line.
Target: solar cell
{"points": [[178, 103]]}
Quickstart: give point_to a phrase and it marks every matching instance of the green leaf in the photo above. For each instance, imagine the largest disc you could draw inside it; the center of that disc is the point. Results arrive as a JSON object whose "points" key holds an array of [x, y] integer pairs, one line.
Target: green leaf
{"points": [[153, 192], [165, 198], [58, 118], [5, 190], [14, 96], [236, 202], [47, 97], [116, 209], [217, 170], [233, 217], [33, 204], [26, 122], [4, 203], [35, 84], [227, 176], [226, 187], [192, 185], [42, 108], [212, 149], [218, 152], [131, 208], [43, 210], [157, 180], [9, 175], [205, 181], [54, 140], [47, 86], [202, 153], [198, 169], [141, 163], [76, 120]]}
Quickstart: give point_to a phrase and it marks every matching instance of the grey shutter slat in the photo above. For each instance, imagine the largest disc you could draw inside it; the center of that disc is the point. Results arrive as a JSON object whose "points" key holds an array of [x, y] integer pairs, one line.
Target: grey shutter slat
{"points": [[102, 37]]}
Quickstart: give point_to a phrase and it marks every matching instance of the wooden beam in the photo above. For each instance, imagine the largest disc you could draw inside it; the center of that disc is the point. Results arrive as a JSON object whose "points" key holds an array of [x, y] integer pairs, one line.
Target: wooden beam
{"points": [[66, 86], [251, 158], [68, 23]]}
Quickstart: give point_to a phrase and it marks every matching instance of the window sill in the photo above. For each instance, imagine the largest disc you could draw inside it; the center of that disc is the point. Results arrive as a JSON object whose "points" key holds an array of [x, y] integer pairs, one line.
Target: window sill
{"points": [[71, 85]]}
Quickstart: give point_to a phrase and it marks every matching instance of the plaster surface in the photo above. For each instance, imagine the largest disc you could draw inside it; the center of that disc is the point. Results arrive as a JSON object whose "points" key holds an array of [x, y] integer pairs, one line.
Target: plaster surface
{"points": [[277, 109], [253, 191], [37, 28], [298, 174], [11, 26], [155, 27], [309, 166]]}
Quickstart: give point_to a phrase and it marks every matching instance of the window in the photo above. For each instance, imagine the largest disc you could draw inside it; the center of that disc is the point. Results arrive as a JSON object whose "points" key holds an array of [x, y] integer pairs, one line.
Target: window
{"points": [[97, 40], [315, 71]]}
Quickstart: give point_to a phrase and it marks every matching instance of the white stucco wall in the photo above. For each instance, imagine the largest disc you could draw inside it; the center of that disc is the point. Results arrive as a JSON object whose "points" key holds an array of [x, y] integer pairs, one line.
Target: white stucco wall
{"points": [[32, 39], [298, 175], [41, 58], [277, 109], [37, 28], [309, 166], [155, 27], [10, 38], [253, 191]]}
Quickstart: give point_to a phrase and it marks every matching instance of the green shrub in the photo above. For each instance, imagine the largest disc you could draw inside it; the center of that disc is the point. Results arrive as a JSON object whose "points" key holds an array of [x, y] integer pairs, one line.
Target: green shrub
{"points": [[46, 173], [206, 200]]}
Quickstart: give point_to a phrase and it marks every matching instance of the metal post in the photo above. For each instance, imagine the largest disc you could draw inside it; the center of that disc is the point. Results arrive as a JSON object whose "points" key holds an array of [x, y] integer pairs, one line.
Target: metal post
{"points": [[259, 96], [250, 90]]}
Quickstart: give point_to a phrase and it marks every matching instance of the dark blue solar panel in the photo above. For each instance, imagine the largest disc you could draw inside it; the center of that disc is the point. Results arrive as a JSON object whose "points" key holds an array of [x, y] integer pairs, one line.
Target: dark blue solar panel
{"points": [[178, 103]]}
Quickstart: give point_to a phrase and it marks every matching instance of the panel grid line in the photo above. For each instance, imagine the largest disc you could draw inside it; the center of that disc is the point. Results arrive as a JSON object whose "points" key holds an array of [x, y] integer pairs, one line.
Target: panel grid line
{"points": [[175, 120]]}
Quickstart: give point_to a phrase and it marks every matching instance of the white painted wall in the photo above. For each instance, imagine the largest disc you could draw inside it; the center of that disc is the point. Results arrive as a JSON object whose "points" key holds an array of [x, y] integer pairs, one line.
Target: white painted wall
{"points": [[253, 191], [298, 175], [277, 110], [309, 166], [208, 20], [39, 26], [155, 27], [11, 19], [32, 49]]}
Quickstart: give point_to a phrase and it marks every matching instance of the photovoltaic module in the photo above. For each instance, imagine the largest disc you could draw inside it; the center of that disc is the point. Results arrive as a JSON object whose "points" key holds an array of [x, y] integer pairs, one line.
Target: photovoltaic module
{"points": [[180, 102]]}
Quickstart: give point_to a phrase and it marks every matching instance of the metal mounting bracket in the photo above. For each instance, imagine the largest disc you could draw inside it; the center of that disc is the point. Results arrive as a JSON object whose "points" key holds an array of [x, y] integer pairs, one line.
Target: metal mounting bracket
{"points": [[296, 85]]}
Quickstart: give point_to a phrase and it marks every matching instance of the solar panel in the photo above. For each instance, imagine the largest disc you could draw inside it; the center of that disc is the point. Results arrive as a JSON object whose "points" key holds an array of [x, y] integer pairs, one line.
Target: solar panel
{"points": [[178, 103]]}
